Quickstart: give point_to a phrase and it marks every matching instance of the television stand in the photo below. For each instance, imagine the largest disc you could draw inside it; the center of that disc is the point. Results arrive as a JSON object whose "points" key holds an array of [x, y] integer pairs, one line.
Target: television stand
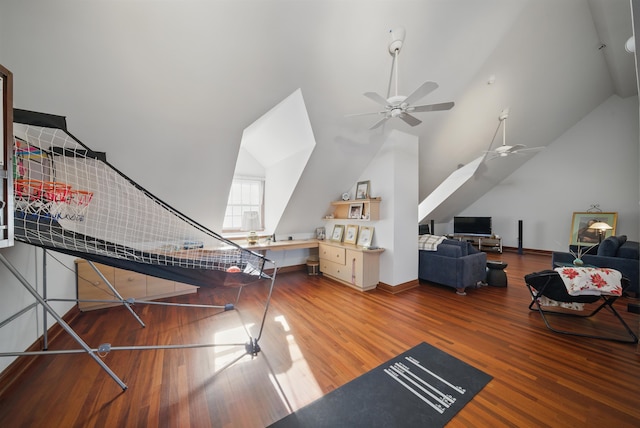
{"points": [[482, 242]]}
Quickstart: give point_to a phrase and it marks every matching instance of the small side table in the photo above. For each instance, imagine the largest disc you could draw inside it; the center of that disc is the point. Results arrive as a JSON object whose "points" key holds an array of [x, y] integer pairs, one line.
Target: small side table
{"points": [[496, 276]]}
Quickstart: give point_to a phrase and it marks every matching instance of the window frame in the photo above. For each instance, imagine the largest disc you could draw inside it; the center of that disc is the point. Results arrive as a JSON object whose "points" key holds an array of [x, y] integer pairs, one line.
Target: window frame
{"points": [[244, 205]]}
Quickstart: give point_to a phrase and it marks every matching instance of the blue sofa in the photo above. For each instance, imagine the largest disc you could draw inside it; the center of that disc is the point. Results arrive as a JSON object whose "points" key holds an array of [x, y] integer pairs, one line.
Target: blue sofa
{"points": [[615, 252], [455, 263]]}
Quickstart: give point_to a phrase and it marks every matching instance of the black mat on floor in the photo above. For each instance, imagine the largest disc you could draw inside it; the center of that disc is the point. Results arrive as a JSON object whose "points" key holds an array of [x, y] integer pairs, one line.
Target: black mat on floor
{"points": [[423, 387]]}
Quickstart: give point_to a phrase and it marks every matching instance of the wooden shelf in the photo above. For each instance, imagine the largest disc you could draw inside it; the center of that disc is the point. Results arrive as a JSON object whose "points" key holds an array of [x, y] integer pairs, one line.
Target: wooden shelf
{"points": [[370, 209], [482, 243]]}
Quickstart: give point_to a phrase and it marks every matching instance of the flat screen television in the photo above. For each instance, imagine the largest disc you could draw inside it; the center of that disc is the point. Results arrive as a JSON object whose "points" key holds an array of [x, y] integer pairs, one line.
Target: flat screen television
{"points": [[472, 225]]}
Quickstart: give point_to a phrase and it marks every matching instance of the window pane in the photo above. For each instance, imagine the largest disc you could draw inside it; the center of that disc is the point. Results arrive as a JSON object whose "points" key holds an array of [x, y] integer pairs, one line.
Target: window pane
{"points": [[244, 195]]}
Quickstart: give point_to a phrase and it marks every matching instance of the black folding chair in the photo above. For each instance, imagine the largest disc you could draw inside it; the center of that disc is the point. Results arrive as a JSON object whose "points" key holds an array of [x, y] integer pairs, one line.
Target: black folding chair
{"points": [[549, 284]]}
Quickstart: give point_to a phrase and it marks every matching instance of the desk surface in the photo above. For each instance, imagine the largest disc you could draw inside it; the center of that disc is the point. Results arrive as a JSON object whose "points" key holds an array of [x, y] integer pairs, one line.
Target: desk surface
{"points": [[282, 245]]}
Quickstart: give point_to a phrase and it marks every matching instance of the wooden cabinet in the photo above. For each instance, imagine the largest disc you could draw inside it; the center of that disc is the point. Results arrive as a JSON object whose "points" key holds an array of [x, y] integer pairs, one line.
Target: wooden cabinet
{"points": [[370, 209], [351, 265], [129, 284]]}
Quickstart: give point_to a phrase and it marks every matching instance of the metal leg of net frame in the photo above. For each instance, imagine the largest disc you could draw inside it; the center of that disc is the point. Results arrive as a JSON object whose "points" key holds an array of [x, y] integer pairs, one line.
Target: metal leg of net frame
{"points": [[251, 347]]}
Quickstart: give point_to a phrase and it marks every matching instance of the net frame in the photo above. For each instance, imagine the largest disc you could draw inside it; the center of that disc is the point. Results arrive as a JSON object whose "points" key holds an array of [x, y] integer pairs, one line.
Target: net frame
{"points": [[210, 259], [90, 209]]}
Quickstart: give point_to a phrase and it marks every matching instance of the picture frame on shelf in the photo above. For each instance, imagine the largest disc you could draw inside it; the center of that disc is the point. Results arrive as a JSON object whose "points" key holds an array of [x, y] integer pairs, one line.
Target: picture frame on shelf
{"points": [[338, 231], [320, 233], [355, 211], [365, 236], [362, 190], [351, 234], [581, 234]]}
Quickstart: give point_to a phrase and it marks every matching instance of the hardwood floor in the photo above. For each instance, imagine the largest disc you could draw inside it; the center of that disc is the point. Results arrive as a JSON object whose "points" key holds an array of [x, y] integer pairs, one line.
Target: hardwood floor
{"points": [[318, 336]]}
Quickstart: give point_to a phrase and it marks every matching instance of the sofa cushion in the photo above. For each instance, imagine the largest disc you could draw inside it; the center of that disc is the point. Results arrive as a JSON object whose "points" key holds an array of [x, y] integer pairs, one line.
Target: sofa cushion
{"points": [[450, 250], [464, 251], [609, 247], [629, 250]]}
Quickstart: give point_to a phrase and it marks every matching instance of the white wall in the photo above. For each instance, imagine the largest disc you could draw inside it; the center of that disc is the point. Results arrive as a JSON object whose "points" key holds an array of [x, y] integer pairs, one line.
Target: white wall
{"points": [[394, 177], [20, 333], [594, 162]]}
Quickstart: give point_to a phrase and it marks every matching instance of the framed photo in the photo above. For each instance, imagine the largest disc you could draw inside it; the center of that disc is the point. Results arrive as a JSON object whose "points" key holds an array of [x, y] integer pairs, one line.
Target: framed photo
{"points": [[362, 190], [338, 231], [581, 234], [351, 234], [355, 211], [365, 236], [320, 233]]}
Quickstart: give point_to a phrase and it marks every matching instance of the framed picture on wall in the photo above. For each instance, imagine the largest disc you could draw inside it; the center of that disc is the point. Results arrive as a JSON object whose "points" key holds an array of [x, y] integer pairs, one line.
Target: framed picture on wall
{"points": [[582, 232], [355, 211], [365, 236], [362, 190], [338, 231], [351, 234]]}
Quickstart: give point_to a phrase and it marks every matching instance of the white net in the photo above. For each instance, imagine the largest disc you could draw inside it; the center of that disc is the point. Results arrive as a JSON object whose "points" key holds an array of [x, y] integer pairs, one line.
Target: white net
{"points": [[68, 198]]}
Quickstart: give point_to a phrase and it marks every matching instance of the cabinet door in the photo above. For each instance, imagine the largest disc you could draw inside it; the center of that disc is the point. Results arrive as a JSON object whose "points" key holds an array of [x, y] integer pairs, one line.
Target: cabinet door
{"points": [[91, 285], [355, 266]]}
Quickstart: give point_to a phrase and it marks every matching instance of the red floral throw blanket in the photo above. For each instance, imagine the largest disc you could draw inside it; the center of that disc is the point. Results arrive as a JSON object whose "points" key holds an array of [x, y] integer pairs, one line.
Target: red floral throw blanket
{"points": [[591, 281]]}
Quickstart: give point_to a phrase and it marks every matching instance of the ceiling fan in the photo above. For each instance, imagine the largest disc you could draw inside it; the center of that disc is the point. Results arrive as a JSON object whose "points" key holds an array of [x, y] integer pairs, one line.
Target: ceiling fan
{"points": [[504, 150], [401, 106]]}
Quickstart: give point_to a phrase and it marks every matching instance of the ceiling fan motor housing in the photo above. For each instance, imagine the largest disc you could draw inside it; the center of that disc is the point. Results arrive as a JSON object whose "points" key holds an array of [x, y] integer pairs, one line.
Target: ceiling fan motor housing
{"points": [[397, 39]]}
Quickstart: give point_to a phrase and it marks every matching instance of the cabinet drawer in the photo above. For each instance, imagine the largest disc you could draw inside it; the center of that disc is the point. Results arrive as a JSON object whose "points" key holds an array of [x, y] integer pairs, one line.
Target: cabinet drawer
{"points": [[130, 284], [336, 270], [332, 254], [91, 286], [159, 286]]}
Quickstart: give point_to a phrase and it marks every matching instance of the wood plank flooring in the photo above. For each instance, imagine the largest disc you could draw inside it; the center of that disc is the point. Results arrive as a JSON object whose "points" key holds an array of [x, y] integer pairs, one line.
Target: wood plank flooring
{"points": [[318, 336]]}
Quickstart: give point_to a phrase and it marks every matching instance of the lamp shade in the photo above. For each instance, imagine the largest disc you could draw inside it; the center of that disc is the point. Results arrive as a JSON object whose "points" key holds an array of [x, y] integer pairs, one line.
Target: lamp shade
{"points": [[250, 221], [600, 225]]}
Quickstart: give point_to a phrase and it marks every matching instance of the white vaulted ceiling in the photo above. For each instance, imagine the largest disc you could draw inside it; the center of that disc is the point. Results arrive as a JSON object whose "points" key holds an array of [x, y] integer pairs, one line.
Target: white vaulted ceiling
{"points": [[162, 76]]}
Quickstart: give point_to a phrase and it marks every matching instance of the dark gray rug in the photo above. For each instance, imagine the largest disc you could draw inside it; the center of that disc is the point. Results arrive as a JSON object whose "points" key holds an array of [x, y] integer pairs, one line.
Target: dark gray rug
{"points": [[423, 387]]}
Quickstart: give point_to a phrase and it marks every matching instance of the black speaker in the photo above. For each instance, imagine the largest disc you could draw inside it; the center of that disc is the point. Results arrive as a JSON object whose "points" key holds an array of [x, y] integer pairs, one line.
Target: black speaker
{"points": [[519, 236], [432, 232]]}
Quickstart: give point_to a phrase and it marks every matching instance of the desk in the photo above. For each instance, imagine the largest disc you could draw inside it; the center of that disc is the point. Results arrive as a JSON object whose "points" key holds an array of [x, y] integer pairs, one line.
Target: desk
{"points": [[282, 245]]}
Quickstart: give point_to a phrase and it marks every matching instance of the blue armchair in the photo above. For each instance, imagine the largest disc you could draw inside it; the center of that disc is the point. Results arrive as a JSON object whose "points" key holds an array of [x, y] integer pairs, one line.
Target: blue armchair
{"points": [[454, 263], [615, 252]]}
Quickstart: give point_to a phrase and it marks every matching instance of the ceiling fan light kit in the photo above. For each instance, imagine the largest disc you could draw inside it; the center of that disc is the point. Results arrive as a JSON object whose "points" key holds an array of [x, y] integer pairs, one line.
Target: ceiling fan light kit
{"points": [[400, 106], [504, 150]]}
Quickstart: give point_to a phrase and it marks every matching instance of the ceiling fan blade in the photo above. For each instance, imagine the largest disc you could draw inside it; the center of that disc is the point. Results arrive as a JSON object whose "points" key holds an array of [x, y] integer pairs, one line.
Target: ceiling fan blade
{"points": [[432, 107], [517, 148], [379, 123], [411, 120], [364, 114], [423, 90], [529, 149], [376, 98]]}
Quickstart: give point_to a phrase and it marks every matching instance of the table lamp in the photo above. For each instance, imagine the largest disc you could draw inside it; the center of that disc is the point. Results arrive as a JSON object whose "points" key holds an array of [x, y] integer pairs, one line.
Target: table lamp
{"points": [[251, 223], [602, 228]]}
